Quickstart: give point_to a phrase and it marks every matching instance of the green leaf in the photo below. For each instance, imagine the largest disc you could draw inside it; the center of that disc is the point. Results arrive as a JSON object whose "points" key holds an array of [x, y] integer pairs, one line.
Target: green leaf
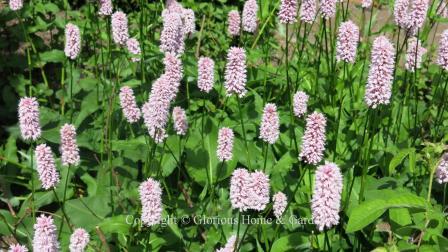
{"points": [[399, 158], [364, 214], [54, 56], [291, 242], [117, 224]]}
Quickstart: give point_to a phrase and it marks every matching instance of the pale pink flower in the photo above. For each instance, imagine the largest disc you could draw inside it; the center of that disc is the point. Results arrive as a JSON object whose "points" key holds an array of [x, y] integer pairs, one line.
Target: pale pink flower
{"points": [[379, 82], [235, 73], [328, 8], [206, 74], [300, 105], [134, 48], [288, 11], [280, 203], [29, 118], [442, 170], [46, 167], [120, 32], [230, 245], [17, 248], [414, 54], [225, 144], [45, 235], [239, 189], [417, 15], [128, 105], [326, 199], [442, 56], [189, 21], [69, 148], [156, 110], [313, 140], [151, 199], [401, 15], [233, 20], [270, 124], [173, 72], [250, 16], [79, 240], [366, 3], [308, 11], [72, 41], [172, 38], [249, 190], [180, 121], [15, 5], [347, 42], [105, 7], [259, 191]]}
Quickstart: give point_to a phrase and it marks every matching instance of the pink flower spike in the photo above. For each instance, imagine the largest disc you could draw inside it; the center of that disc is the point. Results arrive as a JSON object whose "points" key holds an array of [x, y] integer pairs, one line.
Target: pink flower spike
{"points": [[129, 105], [259, 191], [234, 21], [239, 189], [180, 121], [206, 74], [15, 5], [105, 7], [417, 16], [379, 82], [120, 31], [69, 148], [79, 240], [442, 56], [308, 11], [366, 4], [288, 11], [151, 199], [280, 203], [230, 245], [134, 48], [46, 167], [225, 144], [189, 21], [29, 118], [250, 16], [442, 170], [347, 42], [328, 8], [414, 54], [401, 16], [300, 105], [45, 235], [235, 73], [72, 41], [17, 248], [270, 124], [173, 34], [326, 199], [313, 140]]}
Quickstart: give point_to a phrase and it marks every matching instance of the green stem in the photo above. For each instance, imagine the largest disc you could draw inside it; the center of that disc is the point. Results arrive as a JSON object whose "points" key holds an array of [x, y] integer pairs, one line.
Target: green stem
{"points": [[244, 133], [237, 233]]}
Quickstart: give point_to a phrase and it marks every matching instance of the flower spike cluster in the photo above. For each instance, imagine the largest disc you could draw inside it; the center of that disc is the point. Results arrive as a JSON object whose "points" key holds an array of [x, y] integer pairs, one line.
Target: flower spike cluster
{"points": [[249, 190], [250, 16], [45, 235], [133, 47], [313, 140], [79, 240], [206, 74], [280, 203], [414, 54], [300, 103], [128, 104], [151, 199], [328, 8], [308, 11], [288, 11], [347, 42], [173, 34], [180, 121], [17, 248], [69, 148], [46, 167], [72, 41], [326, 199], [379, 82], [29, 118], [235, 73], [270, 124], [15, 5], [120, 32], [105, 7], [234, 21], [442, 170], [225, 144], [442, 56]]}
